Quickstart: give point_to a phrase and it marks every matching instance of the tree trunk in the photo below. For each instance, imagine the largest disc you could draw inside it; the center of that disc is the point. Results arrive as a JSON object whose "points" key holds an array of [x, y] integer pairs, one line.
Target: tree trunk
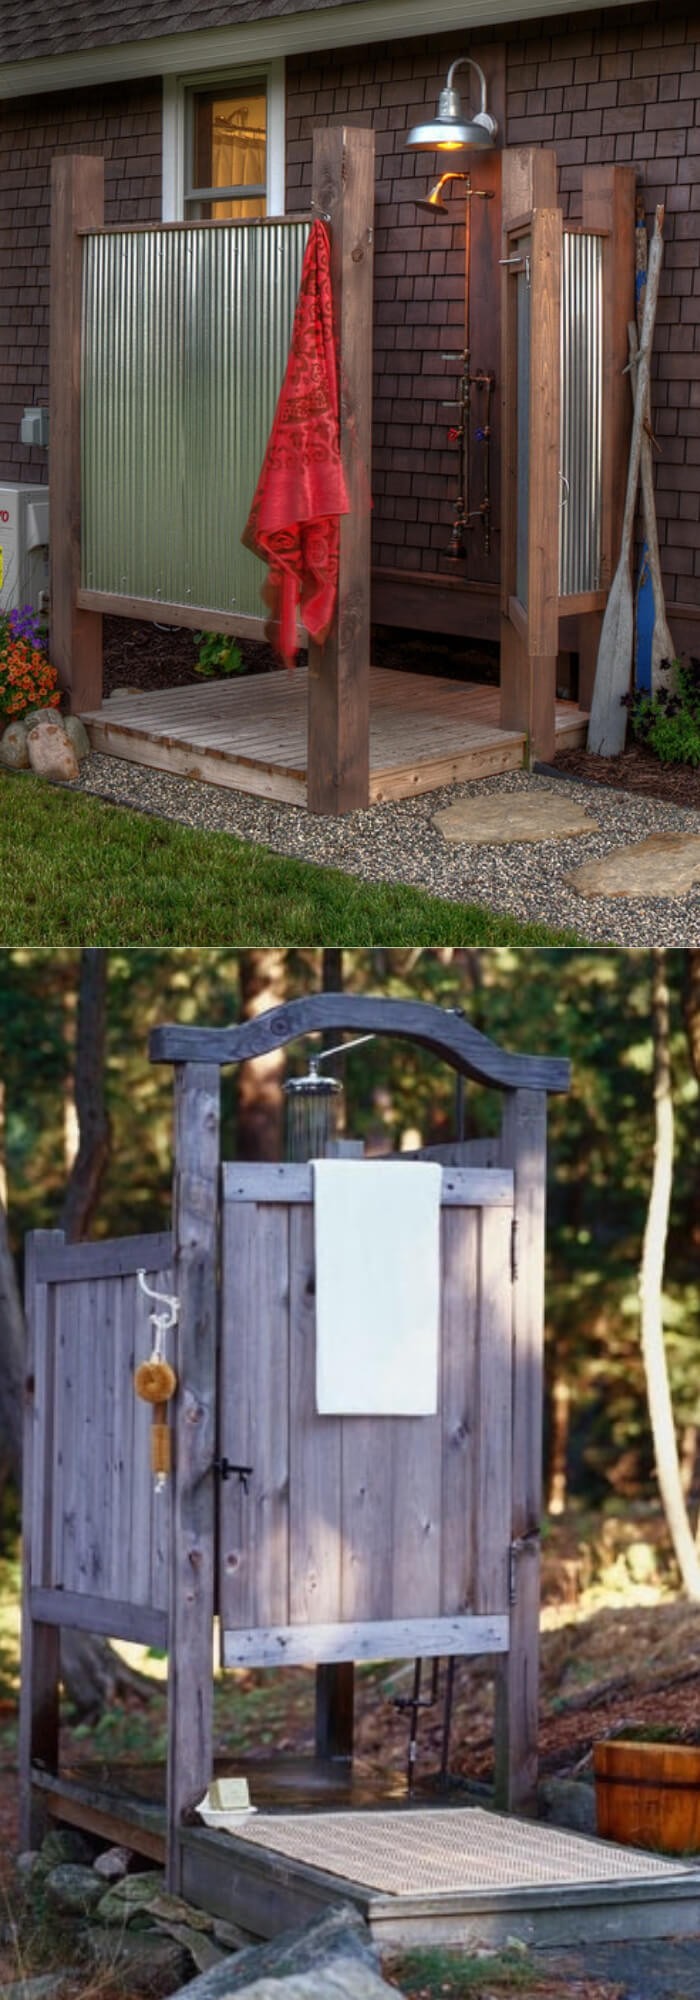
{"points": [[691, 1007], [651, 1292], [83, 1190], [560, 1417], [263, 977]]}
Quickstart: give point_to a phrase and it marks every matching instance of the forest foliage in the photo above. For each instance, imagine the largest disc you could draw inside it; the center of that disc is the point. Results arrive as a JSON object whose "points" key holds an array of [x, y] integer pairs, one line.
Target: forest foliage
{"points": [[591, 1005]]}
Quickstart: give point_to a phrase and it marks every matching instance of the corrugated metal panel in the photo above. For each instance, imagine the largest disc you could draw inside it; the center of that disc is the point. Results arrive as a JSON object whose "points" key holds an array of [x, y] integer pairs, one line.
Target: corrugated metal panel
{"points": [[582, 402], [185, 340]]}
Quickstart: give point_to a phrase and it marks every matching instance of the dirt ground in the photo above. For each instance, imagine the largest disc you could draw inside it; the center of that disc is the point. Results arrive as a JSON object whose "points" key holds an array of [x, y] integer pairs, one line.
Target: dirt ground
{"points": [[151, 656]]}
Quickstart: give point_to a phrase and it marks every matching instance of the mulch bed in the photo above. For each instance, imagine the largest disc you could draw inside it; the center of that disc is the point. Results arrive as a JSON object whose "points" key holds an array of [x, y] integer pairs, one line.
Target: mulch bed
{"points": [[148, 657], [635, 771]]}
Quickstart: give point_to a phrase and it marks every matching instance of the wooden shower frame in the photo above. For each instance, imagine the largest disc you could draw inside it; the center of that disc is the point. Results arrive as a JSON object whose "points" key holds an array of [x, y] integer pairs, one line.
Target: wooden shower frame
{"points": [[338, 682], [198, 1055]]}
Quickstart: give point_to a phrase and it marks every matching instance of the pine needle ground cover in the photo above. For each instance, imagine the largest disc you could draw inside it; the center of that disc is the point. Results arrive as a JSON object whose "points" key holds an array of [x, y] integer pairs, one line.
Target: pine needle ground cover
{"points": [[77, 871]]}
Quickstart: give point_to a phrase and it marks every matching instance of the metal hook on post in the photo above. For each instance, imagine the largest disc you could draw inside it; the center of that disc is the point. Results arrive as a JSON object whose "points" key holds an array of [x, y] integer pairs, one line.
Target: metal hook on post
{"points": [[161, 1321]]}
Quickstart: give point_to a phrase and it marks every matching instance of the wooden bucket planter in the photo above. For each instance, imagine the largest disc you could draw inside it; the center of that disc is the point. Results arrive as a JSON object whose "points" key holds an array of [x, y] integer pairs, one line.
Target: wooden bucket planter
{"points": [[648, 1794]]}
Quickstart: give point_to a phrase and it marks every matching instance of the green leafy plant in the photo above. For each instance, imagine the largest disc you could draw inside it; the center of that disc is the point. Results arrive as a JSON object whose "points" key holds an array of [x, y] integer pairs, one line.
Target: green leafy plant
{"points": [[668, 723], [218, 654]]}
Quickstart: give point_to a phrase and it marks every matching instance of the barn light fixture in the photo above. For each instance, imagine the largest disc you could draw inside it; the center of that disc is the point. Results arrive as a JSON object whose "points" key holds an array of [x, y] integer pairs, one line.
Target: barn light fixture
{"points": [[449, 131]]}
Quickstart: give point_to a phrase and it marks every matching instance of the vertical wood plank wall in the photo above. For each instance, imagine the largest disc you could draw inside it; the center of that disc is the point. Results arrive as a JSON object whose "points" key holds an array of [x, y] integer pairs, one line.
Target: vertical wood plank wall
{"points": [[354, 1520], [96, 1530], [95, 1537]]}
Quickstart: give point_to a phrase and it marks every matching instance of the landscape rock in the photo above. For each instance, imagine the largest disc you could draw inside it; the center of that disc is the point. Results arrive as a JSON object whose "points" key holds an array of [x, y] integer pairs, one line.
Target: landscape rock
{"points": [[568, 1802], [496, 819], [62, 1845], [25, 1863], [113, 1864], [148, 1963], [139, 1899], [203, 1953], [51, 754], [73, 1889], [339, 1934], [342, 1979], [78, 736], [36, 715], [665, 864], [14, 752]]}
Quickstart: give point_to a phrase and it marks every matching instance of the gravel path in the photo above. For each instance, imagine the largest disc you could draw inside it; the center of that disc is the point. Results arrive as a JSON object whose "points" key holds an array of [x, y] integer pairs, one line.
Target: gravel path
{"points": [[397, 842]]}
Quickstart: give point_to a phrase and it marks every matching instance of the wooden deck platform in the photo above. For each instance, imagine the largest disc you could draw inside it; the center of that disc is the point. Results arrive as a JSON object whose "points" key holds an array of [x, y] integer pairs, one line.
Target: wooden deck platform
{"points": [[419, 1872], [251, 733]]}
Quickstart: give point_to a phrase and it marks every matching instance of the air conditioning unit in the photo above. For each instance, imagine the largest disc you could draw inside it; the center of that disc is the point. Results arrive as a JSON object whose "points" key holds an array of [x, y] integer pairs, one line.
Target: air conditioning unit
{"points": [[24, 547]]}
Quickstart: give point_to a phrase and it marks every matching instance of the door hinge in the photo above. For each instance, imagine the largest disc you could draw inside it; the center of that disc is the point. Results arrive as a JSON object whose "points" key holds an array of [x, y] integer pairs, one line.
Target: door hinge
{"points": [[513, 1250], [522, 1545]]}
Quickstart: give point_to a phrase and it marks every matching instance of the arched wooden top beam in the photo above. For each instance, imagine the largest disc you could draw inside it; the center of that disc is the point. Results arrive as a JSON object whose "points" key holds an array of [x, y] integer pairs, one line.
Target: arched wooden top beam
{"points": [[446, 1035]]}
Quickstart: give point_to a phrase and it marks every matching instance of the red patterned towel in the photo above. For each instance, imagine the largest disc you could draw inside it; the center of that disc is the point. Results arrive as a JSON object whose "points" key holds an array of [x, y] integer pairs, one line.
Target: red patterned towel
{"points": [[301, 491]]}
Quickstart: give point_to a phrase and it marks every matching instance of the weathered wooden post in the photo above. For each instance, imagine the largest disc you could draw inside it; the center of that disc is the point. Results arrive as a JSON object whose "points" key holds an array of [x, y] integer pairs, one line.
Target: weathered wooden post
{"points": [[338, 700], [195, 1264], [524, 1148], [41, 1643], [77, 203], [532, 229]]}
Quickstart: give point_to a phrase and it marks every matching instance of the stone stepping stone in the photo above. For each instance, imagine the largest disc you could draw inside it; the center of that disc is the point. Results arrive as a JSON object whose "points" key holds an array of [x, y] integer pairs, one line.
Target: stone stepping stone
{"points": [[665, 864], [500, 818]]}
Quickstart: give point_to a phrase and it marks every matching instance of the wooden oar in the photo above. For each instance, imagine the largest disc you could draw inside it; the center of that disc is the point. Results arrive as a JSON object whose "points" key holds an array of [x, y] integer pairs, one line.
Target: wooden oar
{"points": [[660, 643], [606, 729], [654, 642]]}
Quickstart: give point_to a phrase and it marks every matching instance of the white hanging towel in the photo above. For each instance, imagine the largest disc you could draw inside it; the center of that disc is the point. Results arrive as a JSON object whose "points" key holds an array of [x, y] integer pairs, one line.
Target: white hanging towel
{"points": [[377, 1239]]}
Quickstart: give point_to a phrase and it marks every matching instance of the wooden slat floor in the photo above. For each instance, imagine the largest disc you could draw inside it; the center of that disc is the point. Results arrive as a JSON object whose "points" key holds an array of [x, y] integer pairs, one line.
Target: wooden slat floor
{"points": [[251, 734]]}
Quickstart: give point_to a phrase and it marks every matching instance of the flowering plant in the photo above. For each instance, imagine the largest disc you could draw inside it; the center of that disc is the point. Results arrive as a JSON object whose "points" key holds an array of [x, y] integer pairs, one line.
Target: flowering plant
{"points": [[27, 679]]}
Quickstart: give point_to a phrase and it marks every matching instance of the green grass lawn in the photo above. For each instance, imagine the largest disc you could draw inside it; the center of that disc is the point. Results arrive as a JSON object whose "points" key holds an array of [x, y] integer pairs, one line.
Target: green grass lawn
{"points": [[75, 870]]}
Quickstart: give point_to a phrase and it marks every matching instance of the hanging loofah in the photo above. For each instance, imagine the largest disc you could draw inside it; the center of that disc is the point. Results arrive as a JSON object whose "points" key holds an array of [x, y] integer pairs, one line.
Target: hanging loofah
{"points": [[155, 1381]]}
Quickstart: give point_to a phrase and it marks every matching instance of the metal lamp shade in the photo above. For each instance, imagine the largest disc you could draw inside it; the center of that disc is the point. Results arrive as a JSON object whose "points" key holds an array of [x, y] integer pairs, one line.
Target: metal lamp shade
{"points": [[448, 131], [449, 135]]}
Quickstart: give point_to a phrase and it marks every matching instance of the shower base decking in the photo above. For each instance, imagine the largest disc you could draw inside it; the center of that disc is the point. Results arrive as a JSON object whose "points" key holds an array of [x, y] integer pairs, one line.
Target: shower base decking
{"points": [[418, 1872], [251, 733]]}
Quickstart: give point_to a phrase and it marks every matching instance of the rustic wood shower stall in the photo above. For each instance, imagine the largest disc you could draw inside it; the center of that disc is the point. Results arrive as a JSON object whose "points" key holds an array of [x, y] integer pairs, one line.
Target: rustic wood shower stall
{"points": [[318, 1540]]}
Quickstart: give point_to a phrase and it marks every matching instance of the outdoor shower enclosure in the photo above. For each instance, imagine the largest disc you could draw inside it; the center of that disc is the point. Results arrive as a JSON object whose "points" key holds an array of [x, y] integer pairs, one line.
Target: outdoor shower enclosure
{"points": [[333, 1538]]}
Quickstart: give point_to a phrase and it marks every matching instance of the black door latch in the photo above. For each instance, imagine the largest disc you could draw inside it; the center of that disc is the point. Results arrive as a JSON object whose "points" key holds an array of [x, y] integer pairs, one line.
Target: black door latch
{"points": [[228, 1471]]}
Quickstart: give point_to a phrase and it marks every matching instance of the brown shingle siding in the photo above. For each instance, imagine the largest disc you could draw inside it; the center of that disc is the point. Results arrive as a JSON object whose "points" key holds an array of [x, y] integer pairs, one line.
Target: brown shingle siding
{"points": [[125, 126]]}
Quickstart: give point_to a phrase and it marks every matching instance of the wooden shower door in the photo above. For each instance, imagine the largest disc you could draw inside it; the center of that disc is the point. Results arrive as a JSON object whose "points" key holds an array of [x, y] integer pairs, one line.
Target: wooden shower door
{"points": [[361, 1537]]}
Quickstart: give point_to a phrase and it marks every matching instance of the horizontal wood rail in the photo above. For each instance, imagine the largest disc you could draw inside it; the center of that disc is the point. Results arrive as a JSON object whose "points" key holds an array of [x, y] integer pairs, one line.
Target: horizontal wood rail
{"points": [[393, 1639], [73, 1612], [462, 1187], [113, 1257], [207, 222], [446, 1035], [196, 617]]}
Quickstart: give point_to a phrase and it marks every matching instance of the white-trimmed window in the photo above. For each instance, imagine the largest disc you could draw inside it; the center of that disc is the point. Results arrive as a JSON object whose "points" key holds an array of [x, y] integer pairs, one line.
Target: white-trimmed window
{"points": [[223, 144]]}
